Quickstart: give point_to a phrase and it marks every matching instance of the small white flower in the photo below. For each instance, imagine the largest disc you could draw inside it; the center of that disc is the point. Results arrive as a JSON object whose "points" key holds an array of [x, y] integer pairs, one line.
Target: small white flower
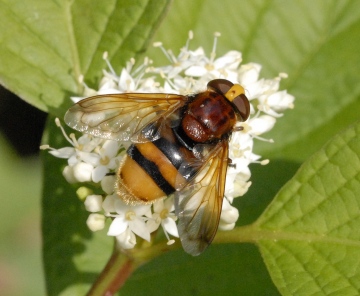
{"points": [[95, 222], [109, 203], [163, 215], [83, 171], [65, 152], [131, 217], [82, 147], [126, 82], [236, 185], [248, 74], [68, 173], [222, 67], [108, 184], [93, 203], [105, 160], [261, 124], [229, 216], [126, 240], [108, 84], [241, 145], [278, 102]]}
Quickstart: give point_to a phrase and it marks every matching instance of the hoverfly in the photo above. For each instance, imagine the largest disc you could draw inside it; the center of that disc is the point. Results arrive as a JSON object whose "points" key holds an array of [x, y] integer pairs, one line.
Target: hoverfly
{"points": [[179, 144]]}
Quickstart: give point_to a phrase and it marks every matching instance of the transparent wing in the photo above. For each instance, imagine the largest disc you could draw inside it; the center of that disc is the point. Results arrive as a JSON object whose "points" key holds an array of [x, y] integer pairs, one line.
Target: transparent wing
{"points": [[198, 205], [122, 117]]}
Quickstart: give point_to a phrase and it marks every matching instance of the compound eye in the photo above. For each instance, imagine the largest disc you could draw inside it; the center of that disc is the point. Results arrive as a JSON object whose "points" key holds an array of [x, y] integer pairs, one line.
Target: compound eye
{"points": [[242, 104], [220, 85]]}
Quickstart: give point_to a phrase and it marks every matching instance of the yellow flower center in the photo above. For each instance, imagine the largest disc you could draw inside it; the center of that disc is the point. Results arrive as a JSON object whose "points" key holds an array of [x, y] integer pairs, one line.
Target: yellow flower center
{"points": [[164, 214], [130, 215], [209, 67], [105, 160]]}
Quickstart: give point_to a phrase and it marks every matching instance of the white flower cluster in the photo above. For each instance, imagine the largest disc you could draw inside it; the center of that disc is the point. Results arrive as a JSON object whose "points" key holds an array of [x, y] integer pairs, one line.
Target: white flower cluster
{"points": [[96, 160]]}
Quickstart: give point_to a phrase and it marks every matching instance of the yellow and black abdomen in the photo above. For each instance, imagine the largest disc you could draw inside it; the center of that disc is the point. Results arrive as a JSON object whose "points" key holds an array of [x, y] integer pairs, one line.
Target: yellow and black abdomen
{"points": [[150, 170]]}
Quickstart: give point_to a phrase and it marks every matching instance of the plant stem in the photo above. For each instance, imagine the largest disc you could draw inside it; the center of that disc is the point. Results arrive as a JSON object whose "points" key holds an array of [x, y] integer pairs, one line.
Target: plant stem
{"points": [[121, 265], [113, 277]]}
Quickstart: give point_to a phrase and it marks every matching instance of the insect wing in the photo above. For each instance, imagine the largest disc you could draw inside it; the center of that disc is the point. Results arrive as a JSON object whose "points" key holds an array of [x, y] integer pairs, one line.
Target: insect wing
{"points": [[198, 205], [122, 117]]}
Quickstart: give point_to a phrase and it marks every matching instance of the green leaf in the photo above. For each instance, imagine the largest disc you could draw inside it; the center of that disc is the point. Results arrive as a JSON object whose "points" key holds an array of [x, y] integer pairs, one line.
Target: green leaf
{"points": [[221, 270], [314, 42], [311, 236], [47, 45]]}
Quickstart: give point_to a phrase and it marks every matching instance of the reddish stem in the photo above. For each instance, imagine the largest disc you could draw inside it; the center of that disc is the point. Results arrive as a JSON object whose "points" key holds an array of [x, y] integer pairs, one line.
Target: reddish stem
{"points": [[120, 267], [114, 275]]}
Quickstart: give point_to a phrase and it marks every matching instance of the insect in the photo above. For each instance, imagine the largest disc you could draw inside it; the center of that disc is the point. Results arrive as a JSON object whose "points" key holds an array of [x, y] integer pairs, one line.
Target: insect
{"points": [[179, 144]]}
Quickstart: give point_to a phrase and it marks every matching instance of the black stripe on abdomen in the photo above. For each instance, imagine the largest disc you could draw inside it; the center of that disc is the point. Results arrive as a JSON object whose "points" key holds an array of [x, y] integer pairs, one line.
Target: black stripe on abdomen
{"points": [[151, 169], [171, 150]]}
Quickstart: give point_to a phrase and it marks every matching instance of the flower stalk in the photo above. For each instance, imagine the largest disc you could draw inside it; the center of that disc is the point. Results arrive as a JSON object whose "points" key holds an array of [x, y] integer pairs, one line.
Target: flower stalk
{"points": [[123, 263], [118, 269]]}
